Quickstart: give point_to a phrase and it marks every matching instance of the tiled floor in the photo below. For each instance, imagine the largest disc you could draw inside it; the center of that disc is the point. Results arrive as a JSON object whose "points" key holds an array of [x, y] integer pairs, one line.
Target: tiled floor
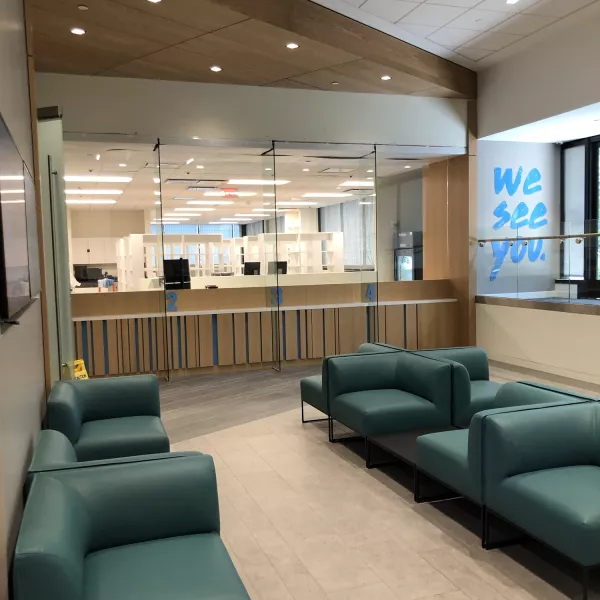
{"points": [[305, 520]]}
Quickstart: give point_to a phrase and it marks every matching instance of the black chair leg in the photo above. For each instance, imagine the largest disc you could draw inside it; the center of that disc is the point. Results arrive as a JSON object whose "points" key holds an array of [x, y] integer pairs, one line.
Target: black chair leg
{"points": [[417, 485], [368, 453], [585, 582]]}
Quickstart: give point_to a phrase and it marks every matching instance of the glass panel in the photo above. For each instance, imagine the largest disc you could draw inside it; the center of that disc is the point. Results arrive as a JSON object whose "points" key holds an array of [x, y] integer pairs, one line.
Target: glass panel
{"points": [[574, 207]]}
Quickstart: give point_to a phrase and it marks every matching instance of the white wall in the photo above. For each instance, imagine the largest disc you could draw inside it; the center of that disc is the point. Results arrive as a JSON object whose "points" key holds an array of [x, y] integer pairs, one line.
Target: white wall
{"points": [[554, 342], [555, 76], [178, 111], [97, 224], [21, 357]]}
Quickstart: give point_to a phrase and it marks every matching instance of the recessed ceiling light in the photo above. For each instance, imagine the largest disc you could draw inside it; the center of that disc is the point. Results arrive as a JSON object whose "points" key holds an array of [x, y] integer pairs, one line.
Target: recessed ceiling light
{"points": [[13, 192], [12, 202], [233, 219], [335, 83], [269, 195], [258, 182], [385, 78], [194, 210], [97, 157], [158, 202], [351, 183], [326, 195], [268, 169], [292, 46], [266, 204], [93, 192], [369, 178], [156, 180], [195, 137], [154, 1], [234, 194], [97, 179], [122, 165], [189, 161], [199, 166], [366, 203], [511, 1], [407, 167], [275, 210], [78, 31], [205, 202], [83, 7], [306, 170], [157, 193], [179, 215], [370, 171], [91, 201], [296, 203], [250, 215], [12, 178], [216, 69]]}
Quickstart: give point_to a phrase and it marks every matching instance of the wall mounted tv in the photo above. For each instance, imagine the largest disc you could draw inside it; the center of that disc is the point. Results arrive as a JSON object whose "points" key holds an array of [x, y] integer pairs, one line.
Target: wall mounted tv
{"points": [[15, 280]]}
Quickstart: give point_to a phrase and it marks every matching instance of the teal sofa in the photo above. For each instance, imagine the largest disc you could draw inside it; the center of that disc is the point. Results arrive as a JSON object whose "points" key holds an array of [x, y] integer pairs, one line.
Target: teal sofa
{"points": [[472, 390], [313, 390], [147, 531], [542, 474], [109, 418], [454, 458], [378, 394]]}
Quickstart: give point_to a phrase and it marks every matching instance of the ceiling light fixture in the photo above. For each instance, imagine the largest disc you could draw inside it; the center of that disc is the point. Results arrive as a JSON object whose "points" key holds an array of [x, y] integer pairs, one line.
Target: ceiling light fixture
{"points": [[205, 202], [385, 78], [122, 165], [407, 167], [366, 203], [356, 184], [268, 169], [156, 180], [326, 195], [297, 203], [292, 46], [199, 166], [216, 69], [250, 215], [258, 182], [12, 178], [189, 161], [13, 192], [266, 204], [370, 171], [269, 195], [179, 215], [91, 201], [154, 1], [97, 178], [158, 202], [78, 31], [511, 1], [83, 7], [94, 192], [157, 193], [276, 210], [195, 137], [306, 170], [335, 83], [12, 202], [233, 219], [236, 194]]}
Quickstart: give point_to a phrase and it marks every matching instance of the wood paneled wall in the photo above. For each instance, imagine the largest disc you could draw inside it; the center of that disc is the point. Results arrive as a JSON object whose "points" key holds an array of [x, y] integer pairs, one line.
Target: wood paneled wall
{"points": [[123, 346]]}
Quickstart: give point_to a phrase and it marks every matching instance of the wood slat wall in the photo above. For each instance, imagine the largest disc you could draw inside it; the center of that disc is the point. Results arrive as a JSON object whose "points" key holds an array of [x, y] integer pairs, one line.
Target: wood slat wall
{"points": [[126, 346]]}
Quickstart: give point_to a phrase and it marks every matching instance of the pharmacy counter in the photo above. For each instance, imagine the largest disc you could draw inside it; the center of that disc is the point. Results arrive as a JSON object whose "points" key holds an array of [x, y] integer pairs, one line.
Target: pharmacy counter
{"points": [[209, 330]]}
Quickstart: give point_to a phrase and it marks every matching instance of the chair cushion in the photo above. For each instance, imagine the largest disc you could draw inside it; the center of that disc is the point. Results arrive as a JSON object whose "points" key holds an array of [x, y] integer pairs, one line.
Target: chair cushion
{"points": [[483, 396], [311, 392], [128, 436], [179, 568], [560, 507], [378, 412], [444, 456]]}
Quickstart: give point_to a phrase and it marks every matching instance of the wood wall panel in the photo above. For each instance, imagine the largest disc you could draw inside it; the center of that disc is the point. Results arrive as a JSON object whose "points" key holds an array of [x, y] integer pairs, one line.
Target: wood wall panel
{"points": [[412, 327], [437, 325], [317, 329], [239, 332], [435, 221], [394, 325], [205, 340], [291, 335], [266, 326], [254, 338], [191, 342], [329, 327], [303, 316], [225, 337]]}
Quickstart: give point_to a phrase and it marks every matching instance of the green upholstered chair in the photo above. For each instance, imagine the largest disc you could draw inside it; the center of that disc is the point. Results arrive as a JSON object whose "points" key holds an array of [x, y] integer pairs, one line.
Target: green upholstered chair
{"points": [[147, 530], [54, 452], [542, 474], [472, 390], [377, 394], [109, 418], [454, 457], [312, 390]]}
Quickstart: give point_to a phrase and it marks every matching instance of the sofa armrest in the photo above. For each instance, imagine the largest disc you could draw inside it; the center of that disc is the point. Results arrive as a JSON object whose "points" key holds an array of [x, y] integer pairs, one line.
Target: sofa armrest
{"points": [[52, 544], [136, 502], [474, 360], [52, 449], [359, 372], [534, 438]]}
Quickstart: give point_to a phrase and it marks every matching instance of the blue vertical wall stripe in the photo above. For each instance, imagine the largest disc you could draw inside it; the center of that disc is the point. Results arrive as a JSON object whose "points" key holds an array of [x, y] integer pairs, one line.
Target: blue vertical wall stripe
{"points": [[215, 340], [93, 354], [247, 340], [299, 334], [179, 346], [84, 343], [105, 344], [233, 336], [283, 328], [150, 349], [368, 324], [137, 345]]}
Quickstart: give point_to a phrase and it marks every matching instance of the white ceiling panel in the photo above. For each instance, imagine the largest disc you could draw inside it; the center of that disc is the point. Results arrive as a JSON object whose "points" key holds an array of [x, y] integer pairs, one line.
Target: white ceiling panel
{"points": [[433, 14], [390, 10], [469, 32]]}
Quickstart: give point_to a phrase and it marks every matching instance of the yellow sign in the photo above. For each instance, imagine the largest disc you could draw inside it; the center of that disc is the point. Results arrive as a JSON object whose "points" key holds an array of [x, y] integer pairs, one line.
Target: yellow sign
{"points": [[79, 370]]}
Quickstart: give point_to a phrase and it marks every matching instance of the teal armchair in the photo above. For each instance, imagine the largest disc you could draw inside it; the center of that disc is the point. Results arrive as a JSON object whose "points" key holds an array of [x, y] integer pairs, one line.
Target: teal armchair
{"points": [[109, 418], [454, 458], [147, 530], [472, 390], [313, 389], [377, 394]]}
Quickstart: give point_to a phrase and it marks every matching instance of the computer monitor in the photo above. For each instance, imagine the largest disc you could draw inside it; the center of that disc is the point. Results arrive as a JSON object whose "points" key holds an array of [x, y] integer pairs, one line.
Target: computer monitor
{"points": [[252, 268], [279, 267], [177, 274]]}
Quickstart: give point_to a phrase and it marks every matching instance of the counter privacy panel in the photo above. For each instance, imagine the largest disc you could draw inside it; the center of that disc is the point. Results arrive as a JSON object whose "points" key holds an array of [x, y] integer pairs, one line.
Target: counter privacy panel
{"points": [[122, 346]]}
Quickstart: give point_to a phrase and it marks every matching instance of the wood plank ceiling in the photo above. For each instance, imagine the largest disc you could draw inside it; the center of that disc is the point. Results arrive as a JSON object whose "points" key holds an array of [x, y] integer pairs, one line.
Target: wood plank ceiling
{"points": [[181, 39]]}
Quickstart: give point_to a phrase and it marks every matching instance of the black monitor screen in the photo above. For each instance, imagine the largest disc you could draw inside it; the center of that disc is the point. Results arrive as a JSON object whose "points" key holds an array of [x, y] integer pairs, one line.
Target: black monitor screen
{"points": [[279, 267], [252, 268], [177, 271]]}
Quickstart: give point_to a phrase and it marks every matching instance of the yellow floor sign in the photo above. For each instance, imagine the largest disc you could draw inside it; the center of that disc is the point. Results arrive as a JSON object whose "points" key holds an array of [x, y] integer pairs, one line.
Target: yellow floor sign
{"points": [[79, 370]]}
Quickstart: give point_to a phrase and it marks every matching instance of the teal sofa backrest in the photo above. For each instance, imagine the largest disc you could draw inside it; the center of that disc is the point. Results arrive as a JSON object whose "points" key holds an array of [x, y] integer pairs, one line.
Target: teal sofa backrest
{"points": [[557, 436], [72, 403], [473, 359]]}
